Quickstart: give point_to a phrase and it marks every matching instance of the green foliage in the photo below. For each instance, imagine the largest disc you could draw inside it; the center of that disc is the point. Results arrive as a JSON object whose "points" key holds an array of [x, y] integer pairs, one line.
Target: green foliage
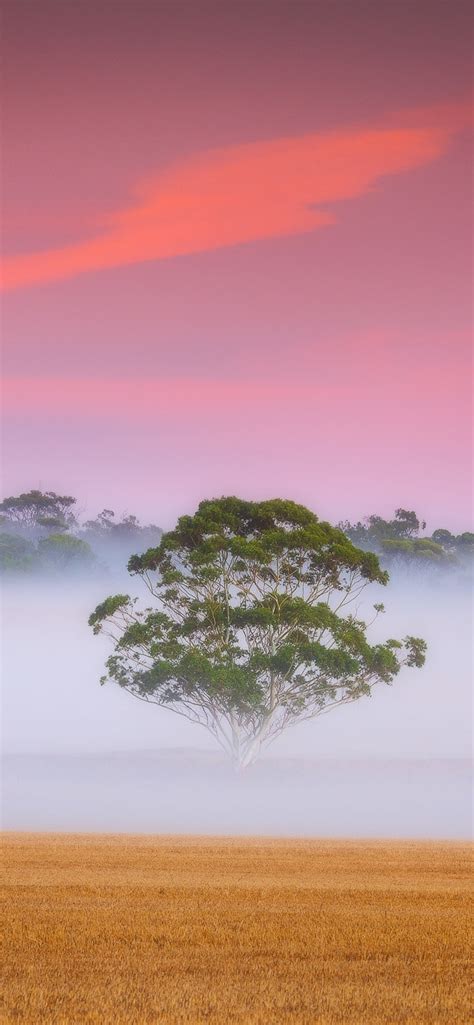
{"points": [[107, 609], [422, 549], [375, 529], [17, 554], [399, 545], [39, 518], [52, 523], [62, 550], [251, 629], [461, 544], [123, 536], [33, 508], [465, 541], [443, 537]]}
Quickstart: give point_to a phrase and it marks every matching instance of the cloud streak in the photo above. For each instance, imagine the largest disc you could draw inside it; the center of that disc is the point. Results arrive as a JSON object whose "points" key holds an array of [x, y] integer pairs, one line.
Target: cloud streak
{"points": [[151, 398], [246, 193]]}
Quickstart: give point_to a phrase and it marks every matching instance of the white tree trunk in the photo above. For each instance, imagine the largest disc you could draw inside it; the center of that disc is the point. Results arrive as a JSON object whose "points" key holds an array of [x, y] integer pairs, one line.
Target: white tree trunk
{"points": [[245, 754]]}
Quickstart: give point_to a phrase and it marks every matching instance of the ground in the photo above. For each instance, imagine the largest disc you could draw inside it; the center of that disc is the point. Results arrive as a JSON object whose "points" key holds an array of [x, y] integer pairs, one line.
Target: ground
{"points": [[133, 930]]}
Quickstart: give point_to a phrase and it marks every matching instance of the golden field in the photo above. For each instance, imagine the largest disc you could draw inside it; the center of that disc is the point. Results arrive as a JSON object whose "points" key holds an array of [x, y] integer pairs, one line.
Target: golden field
{"points": [[132, 930]]}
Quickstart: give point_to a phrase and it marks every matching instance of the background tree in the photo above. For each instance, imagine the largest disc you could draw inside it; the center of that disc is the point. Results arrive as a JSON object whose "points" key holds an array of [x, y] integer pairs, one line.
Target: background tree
{"points": [[405, 525], [35, 509], [461, 545], [465, 542], [17, 554], [419, 551], [119, 538], [250, 630], [400, 546], [63, 551], [34, 517]]}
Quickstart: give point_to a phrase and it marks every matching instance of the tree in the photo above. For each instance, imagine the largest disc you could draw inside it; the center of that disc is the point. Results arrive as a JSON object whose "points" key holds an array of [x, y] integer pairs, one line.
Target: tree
{"points": [[418, 551], [460, 544], [250, 631], [465, 542], [62, 551], [17, 554], [35, 508], [375, 530], [400, 546], [120, 537], [406, 523]]}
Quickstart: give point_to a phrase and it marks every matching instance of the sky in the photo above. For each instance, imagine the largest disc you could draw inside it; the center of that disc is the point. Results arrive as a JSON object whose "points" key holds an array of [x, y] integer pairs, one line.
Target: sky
{"points": [[236, 254]]}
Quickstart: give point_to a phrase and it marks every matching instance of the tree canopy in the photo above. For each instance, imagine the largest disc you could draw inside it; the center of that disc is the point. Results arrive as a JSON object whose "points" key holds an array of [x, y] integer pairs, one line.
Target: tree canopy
{"points": [[41, 532], [17, 554], [35, 508], [64, 550], [253, 626], [120, 536], [399, 543]]}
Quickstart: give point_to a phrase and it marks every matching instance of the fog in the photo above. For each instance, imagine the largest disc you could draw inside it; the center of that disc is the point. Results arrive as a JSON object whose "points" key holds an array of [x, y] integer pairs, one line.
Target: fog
{"points": [[77, 756]]}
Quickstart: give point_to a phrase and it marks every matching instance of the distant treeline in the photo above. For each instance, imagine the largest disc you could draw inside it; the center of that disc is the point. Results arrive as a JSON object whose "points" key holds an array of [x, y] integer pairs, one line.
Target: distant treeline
{"points": [[402, 542], [42, 531]]}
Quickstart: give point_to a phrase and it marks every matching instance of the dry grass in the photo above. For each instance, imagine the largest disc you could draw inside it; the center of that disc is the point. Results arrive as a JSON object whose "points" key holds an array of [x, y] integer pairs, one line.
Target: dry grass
{"points": [[139, 930]]}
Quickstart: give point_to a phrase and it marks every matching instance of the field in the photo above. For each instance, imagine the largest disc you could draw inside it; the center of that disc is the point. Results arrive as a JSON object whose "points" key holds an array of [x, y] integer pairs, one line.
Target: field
{"points": [[131, 930]]}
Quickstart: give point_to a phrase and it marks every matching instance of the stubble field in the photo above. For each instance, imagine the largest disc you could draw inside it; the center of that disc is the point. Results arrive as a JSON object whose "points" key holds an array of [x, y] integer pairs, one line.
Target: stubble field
{"points": [[125, 930]]}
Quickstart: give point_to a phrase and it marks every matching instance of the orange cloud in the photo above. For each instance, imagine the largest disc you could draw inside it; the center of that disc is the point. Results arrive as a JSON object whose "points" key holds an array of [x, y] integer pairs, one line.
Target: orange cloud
{"points": [[245, 193]]}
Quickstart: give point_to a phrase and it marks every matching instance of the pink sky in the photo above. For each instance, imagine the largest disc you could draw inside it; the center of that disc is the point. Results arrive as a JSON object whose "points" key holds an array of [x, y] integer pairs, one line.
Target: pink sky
{"points": [[237, 255]]}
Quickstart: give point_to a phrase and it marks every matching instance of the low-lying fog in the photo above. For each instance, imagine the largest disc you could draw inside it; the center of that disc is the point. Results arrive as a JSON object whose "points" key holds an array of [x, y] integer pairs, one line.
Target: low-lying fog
{"points": [[77, 756]]}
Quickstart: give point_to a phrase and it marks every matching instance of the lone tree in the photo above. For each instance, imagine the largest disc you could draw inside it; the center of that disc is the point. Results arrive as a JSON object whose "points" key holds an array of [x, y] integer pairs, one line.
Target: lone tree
{"points": [[250, 630]]}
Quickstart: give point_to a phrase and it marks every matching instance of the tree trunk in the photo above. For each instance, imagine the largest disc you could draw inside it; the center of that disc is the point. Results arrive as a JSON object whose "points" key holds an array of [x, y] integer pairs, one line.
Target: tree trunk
{"points": [[242, 760], [244, 755]]}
